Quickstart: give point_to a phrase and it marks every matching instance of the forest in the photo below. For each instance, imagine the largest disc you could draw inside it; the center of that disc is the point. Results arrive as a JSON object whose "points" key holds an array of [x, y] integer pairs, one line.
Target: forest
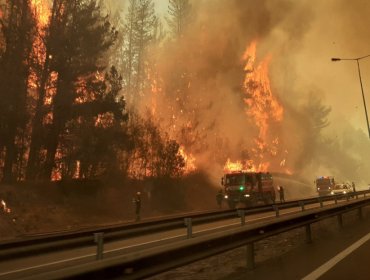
{"points": [[159, 89], [72, 76]]}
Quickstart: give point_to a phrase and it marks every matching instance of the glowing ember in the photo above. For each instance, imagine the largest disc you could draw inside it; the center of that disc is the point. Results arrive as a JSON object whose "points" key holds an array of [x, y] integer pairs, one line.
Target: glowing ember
{"points": [[4, 207], [189, 161], [76, 175], [155, 90], [56, 174]]}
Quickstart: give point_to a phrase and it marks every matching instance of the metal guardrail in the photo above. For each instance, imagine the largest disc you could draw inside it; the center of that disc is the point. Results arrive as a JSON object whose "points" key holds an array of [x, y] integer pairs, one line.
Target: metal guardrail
{"points": [[155, 260], [54, 242]]}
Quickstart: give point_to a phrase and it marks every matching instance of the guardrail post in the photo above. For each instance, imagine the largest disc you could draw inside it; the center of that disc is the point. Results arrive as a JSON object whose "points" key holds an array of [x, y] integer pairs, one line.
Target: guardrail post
{"points": [[356, 195], [308, 234], [301, 203], [250, 256], [364, 194], [321, 203], [360, 216], [189, 227], [347, 196], [340, 220], [241, 214], [99, 240], [276, 209], [336, 199]]}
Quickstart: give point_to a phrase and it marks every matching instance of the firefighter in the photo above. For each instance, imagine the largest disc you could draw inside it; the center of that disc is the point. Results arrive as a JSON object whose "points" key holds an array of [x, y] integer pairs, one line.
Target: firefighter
{"points": [[137, 202], [281, 194], [219, 197]]}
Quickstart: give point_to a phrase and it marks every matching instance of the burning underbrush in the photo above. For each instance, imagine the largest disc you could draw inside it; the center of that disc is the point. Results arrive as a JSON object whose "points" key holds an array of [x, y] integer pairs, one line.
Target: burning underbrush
{"points": [[62, 206]]}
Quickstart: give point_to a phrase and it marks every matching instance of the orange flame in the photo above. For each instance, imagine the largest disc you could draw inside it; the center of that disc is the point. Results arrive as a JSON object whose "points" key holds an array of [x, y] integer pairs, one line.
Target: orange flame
{"points": [[233, 166], [155, 91], [262, 104], [263, 109], [42, 11], [247, 166], [189, 160]]}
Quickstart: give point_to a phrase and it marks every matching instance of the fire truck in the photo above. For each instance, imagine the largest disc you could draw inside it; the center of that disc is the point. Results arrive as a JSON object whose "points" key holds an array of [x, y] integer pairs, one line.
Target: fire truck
{"points": [[248, 188], [324, 185]]}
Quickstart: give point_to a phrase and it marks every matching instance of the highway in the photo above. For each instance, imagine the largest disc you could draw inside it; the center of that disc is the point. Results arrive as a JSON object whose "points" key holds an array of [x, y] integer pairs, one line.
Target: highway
{"points": [[22, 267], [339, 254]]}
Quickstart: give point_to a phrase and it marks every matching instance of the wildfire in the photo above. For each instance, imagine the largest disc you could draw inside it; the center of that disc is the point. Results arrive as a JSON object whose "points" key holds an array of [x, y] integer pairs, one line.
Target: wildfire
{"points": [[247, 165], [263, 106], [42, 11], [233, 166], [156, 89], [189, 160], [263, 109]]}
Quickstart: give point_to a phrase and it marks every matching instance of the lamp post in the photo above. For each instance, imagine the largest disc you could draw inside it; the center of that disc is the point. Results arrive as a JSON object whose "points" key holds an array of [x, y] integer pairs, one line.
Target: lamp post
{"points": [[359, 75]]}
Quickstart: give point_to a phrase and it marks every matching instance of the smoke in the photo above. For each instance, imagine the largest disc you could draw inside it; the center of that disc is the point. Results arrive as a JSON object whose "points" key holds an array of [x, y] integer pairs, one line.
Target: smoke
{"points": [[201, 102]]}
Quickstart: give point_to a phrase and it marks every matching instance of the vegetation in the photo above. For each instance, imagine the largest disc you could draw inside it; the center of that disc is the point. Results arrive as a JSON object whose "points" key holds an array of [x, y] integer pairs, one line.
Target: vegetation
{"points": [[63, 103]]}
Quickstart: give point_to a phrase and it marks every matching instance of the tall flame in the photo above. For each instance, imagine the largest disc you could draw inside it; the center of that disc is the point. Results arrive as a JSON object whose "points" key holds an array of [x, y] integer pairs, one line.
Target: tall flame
{"points": [[263, 109], [42, 11], [263, 106]]}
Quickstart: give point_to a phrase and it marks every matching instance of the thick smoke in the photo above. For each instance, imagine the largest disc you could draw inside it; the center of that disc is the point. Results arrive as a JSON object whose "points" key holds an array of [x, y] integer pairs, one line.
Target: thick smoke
{"points": [[206, 106]]}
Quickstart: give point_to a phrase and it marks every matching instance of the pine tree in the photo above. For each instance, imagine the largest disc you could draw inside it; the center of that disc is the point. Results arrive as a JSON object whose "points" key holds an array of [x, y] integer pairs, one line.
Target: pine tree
{"points": [[78, 38], [179, 13], [140, 26], [17, 28]]}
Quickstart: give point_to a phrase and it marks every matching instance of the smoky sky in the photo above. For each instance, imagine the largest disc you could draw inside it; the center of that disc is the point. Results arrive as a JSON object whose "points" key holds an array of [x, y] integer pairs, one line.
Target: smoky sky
{"points": [[301, 36]]}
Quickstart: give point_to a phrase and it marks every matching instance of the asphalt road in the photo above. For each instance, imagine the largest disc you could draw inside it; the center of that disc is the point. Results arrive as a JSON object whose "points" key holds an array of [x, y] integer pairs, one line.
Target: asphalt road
{"points": [[26, 266], [335, 253]]}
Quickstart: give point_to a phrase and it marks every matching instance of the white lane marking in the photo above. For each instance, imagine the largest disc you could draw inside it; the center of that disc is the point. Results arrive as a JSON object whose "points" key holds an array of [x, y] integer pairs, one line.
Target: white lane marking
{"points": [[332, 262], [46, 264]]}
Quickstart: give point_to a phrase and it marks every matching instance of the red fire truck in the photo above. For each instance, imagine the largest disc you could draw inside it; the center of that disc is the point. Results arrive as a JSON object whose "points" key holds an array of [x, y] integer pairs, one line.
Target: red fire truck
{"points": [[248, 188], [324, 185]]}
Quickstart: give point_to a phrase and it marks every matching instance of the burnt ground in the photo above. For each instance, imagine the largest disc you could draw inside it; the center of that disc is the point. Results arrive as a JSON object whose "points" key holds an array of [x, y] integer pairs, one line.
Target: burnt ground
{"points": [[277, 257], [39, 208]]}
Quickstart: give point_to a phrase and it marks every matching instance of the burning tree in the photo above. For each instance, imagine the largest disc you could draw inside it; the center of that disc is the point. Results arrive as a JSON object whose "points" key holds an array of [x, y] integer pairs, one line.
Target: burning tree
{"points": [[264, 109], [76, 38], [17, 32]]}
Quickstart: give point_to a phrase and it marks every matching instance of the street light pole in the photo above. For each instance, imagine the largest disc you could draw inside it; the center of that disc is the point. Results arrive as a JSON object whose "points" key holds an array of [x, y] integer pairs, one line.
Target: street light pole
{"points": [[362, 88]]}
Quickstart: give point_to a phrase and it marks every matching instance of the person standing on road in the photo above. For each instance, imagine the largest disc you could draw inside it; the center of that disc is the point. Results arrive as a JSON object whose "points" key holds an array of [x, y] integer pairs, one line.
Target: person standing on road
{"points": [[281, 194], [354, 186], [137, 202]]}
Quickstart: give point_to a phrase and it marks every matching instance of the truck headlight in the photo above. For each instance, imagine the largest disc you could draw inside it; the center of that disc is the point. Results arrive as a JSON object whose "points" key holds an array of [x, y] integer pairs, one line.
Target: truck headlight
{"points": [[344, 192], [332, 192], [247, 195], [226, 196], [318, 189]]}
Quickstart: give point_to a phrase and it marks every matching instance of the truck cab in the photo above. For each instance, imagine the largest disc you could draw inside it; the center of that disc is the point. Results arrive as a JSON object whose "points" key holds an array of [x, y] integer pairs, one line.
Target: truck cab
{"points": [[248, 188], [324, 185]]}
